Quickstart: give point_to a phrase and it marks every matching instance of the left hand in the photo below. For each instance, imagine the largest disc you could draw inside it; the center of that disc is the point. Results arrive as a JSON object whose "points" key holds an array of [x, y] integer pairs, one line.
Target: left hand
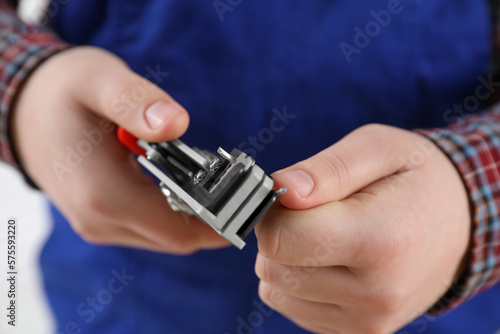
{"points": [[372, 232]]}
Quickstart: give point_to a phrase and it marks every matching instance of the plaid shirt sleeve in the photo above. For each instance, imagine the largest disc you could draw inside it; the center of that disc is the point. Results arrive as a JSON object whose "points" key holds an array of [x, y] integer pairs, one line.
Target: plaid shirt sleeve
{"points": [[22, 49], [473, 145]]}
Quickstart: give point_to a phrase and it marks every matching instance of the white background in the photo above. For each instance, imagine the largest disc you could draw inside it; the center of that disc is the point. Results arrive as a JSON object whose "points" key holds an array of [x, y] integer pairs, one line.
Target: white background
{"points": [[30, 210]]}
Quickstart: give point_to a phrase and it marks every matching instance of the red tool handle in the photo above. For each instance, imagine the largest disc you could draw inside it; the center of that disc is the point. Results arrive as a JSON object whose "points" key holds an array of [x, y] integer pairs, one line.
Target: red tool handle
{"points": [[130, 141]]}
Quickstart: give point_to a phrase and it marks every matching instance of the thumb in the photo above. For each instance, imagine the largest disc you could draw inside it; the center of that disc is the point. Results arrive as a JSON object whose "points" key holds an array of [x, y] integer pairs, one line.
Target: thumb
{"points": [[113, 91], [364, 156]]}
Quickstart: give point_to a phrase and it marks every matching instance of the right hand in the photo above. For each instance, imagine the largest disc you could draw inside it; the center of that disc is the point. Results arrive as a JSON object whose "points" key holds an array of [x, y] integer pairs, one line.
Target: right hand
{"points": [[68, 146]]}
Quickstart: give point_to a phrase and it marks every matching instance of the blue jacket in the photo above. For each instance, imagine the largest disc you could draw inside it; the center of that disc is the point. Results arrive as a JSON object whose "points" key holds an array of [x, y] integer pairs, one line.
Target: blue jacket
{"points": [[332, 66]]}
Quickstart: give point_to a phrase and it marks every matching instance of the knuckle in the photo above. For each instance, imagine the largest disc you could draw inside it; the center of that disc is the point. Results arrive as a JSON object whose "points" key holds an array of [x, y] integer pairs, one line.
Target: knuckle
{"points": [[264, 293], [183, 249], [333, 168], [129, 96], [374, 327], [264, 271], [268, 295], [385, 299], [267, 246], [90, 209], [88, 232], [376, 135], [180, 243], [273, 296], [273, 243], [373, 130], [321, 329], [90, 203], [260, 268]]}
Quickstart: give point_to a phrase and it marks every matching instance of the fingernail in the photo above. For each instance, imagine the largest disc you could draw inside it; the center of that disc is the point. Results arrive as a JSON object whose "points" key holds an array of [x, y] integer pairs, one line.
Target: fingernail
{"points": [[300, 181], [160, 112]]}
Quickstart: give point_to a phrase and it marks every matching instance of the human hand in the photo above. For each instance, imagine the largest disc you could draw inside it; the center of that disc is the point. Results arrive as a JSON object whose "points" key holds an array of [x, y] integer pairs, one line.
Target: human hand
{"points": [[68, 146], [371, 233]]}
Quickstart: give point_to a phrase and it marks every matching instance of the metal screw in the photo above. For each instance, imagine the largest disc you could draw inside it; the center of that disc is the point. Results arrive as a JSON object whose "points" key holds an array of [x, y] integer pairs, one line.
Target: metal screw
{"points": [[199, 177], [215, 164]]}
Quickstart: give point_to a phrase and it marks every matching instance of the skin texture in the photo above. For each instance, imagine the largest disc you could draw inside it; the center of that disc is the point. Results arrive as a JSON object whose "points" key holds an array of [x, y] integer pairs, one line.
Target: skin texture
{"points": [[106, 197], [378, 240], [370, 234]]}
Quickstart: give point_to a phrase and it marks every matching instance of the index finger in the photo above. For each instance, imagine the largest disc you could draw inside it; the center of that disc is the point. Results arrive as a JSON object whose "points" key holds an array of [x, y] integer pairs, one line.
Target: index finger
{"points": [[333, 234]]}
